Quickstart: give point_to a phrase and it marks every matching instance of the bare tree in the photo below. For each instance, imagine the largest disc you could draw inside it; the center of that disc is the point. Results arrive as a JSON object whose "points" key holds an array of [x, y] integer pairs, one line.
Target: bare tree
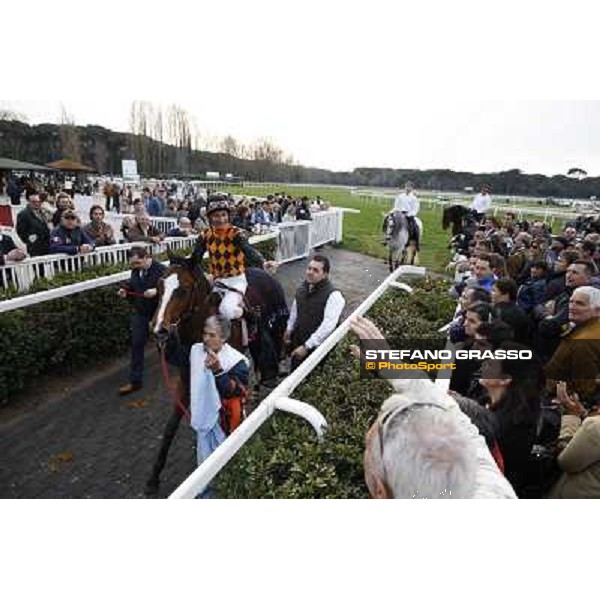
{"points": [[69, 136]]}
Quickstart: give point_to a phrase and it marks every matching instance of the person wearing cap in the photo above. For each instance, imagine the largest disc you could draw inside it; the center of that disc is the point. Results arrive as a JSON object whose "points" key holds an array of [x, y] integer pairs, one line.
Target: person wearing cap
{"points": [[482, 202], [228, 250], [69, 237]]}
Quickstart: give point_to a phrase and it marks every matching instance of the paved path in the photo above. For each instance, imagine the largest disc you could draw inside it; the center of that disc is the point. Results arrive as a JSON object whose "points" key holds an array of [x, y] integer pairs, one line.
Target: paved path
{"points": [[87, 442]]}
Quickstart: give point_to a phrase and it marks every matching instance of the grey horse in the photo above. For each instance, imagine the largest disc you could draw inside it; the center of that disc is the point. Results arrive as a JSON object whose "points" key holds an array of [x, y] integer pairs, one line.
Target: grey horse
{"points": [[402, 249]]}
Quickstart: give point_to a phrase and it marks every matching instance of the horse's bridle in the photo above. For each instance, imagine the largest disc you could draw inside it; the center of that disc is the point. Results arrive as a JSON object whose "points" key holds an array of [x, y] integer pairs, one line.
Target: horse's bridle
{"points": [[188, 313]]}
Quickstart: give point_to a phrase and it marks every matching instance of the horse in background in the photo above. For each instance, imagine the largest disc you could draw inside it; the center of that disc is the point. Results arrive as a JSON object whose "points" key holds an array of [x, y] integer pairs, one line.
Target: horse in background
{"points": [[402, 246], [461, 218]]}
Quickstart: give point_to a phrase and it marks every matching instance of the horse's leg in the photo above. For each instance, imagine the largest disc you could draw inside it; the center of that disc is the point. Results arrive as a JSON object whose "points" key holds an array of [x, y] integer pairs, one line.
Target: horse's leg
{"points": [[182, 390], [390, 261], [171, 427]]}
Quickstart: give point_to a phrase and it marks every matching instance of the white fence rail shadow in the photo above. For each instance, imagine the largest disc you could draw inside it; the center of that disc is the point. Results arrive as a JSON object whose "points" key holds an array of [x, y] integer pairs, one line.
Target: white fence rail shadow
{"points": [[279, 398]]}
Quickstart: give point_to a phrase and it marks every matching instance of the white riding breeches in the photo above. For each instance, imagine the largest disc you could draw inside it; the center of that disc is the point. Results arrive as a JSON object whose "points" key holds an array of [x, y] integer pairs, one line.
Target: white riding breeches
{"points": [[231, 306]]}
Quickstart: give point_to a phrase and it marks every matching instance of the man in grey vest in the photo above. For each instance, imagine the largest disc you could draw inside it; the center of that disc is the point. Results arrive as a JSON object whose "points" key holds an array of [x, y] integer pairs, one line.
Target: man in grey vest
{"points": [[315, 313]]}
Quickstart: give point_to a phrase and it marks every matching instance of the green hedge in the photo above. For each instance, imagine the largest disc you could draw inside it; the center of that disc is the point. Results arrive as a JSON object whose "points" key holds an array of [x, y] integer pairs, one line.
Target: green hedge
{"points": [[284, 460], [61, 335]]}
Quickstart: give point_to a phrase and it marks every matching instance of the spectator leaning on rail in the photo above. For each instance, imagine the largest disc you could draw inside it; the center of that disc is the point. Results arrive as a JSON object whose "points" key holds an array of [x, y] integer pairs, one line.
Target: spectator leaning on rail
{"points": [[228, 250], [316, 311], [143, 231], [142, 293], [69, 237], [32, 227], [183, 229], [423, 446], [9, 252], [99, 231]]}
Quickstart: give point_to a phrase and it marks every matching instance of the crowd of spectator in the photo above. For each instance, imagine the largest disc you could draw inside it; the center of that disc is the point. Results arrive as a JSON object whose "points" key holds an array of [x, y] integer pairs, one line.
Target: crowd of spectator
{"points": [[519, 286]]}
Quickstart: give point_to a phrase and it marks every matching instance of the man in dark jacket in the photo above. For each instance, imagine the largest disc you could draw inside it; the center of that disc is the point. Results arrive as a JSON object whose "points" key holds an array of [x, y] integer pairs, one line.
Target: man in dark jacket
{"points": [[69, 238], [316, 311], [533, 290], [141, 290], [504, 307], [32, 227], [556, 282]]}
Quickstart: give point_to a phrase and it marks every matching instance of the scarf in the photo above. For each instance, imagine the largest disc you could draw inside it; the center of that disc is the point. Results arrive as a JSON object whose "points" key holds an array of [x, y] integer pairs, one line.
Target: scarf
{"points": [[205, 402]]}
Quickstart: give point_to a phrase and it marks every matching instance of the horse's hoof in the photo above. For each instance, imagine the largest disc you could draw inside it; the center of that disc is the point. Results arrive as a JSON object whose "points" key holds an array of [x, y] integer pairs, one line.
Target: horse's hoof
{"points": [[151, 490]]}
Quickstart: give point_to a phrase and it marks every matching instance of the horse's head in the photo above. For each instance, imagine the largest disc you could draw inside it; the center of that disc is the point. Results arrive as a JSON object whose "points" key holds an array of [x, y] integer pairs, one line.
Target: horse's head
{"points": [[392, 223], [182, 294]]}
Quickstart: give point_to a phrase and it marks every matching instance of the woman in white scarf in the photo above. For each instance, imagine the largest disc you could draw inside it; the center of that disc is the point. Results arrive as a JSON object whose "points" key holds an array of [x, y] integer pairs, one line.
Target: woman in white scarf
{"points": [[218, 372]]}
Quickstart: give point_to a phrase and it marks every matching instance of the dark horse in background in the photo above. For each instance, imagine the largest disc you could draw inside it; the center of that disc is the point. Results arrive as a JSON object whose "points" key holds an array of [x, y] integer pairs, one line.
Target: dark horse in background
{"points": [[186, 300], [464, 223]]}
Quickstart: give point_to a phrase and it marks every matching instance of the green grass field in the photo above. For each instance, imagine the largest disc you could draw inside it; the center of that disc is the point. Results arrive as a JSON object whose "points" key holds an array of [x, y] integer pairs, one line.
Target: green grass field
{"points": [[362, 233]]}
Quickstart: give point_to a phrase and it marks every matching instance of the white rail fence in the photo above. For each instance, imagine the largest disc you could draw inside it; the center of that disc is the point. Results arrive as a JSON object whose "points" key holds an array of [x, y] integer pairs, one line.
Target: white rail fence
{"points": [[280, 397], [294, 241], [298, 238], [77, 261], [24, 273]]}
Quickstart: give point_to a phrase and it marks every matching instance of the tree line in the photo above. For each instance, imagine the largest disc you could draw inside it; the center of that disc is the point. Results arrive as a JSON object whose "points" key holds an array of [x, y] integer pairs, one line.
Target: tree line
{"points": [[166, 142]]}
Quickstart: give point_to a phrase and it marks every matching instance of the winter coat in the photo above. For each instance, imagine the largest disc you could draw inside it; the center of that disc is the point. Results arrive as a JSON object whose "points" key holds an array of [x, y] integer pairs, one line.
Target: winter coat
{"points": [[579, 459], [34, 232]]}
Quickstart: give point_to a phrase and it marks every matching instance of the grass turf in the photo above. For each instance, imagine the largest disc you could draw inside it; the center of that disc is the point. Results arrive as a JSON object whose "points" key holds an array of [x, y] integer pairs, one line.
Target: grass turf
{"points": [[362, 232]]}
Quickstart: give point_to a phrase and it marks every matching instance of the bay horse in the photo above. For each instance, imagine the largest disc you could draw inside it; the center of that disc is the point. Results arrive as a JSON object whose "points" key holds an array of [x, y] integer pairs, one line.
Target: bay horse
{"points": [[186, 300], [402, 247], [460, 217]]}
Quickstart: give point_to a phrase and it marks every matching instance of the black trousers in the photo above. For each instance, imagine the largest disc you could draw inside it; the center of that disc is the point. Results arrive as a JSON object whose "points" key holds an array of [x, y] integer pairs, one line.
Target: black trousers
{"points": [[140, 331]]}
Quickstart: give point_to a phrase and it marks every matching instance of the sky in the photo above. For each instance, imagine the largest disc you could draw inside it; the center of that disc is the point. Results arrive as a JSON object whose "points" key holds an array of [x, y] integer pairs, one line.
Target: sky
{"points": [[342, 85]]}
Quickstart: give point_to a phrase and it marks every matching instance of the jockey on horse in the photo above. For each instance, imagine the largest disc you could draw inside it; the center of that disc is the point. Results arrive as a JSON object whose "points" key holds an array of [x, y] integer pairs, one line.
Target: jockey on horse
{"points": [[228, 249], [408, 204]]}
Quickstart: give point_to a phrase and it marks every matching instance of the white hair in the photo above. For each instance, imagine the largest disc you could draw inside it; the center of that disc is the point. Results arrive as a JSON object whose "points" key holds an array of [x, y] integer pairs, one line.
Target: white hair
{"points": [[591, 293], [221, 324], [427, 453]]}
